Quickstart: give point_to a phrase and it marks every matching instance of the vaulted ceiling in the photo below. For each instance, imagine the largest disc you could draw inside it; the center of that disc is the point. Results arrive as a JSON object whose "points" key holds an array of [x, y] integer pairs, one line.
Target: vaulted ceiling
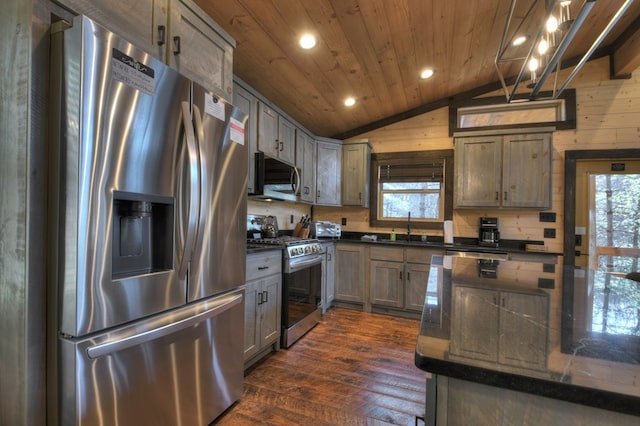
{"points": [[374, 51]]}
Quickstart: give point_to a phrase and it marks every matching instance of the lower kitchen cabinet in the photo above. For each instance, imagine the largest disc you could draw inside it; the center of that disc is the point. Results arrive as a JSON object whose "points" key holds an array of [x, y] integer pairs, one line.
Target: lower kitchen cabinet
{"points": [[386, 269], [263, 304], [350, 277], [328, 276], [500, 326], [398, 277]]}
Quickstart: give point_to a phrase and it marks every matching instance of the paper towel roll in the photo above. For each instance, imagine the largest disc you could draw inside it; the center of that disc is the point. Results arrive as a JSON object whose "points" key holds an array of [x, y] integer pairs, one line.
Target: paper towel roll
{"points": [[448, 232]]}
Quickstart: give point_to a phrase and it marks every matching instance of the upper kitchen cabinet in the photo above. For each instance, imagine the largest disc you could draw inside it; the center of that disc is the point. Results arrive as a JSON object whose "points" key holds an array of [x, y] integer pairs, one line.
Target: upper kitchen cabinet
{"points": [[503, 171], [175, 31], [248, 103], [276, 135], [328, 171], [356, 160], [143, 23], [199, 48], [306, 162]]}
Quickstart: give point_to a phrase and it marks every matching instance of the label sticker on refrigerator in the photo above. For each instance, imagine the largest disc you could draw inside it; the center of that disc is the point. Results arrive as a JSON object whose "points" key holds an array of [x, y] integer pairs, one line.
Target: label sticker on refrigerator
{"points": [[213, 107], [236, 131], [132, 73]]}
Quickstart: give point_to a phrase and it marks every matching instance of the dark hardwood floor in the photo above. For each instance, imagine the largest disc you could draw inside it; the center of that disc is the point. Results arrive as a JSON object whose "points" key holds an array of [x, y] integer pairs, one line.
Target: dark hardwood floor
{"points": [[353, 368]]}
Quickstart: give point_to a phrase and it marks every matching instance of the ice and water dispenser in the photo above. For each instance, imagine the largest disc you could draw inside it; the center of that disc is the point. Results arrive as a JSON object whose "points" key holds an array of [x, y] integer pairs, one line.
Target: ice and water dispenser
{"points": [[142, 239]]}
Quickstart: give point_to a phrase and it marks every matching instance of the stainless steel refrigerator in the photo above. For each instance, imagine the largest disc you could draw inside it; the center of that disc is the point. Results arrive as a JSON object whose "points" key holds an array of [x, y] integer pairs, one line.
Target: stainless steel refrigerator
{"points": [[147, 212]]}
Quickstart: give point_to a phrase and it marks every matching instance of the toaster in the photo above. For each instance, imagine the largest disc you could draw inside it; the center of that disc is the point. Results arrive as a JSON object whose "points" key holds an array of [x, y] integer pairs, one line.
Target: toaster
{"points": [[323, 229]]}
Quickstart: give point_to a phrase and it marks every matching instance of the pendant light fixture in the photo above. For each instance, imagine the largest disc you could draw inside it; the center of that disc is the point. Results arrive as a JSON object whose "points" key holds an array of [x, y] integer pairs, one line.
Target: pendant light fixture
{"points": [[542, 53]]}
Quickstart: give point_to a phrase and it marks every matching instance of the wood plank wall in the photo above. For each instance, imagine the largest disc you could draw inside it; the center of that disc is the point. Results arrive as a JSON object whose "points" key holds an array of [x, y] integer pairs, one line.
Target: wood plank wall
{"points": [[608, 118], [281, 210]]}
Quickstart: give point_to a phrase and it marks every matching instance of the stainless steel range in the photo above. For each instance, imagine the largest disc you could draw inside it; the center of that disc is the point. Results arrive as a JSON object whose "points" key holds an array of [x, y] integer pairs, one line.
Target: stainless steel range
{"points": [[301, 288], [301, 283]]}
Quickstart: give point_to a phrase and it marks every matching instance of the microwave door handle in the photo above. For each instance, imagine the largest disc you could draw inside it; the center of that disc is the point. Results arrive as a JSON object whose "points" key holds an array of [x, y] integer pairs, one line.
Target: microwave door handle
{"points": [[194, 189], [295, 181]]}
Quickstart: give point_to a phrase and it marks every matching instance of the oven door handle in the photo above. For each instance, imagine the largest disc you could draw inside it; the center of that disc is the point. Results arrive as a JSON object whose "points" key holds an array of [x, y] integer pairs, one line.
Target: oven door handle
{"points": [[296, 265]]}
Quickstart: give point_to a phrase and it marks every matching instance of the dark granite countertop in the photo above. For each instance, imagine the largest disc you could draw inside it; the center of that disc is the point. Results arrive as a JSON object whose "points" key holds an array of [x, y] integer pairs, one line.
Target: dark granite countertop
{"points": [[557, 331], [437, 242]]}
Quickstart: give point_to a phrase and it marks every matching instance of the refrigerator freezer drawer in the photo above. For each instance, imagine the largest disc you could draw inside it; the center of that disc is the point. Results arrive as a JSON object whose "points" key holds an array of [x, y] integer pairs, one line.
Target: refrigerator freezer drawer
{"points": [[182, 367]]}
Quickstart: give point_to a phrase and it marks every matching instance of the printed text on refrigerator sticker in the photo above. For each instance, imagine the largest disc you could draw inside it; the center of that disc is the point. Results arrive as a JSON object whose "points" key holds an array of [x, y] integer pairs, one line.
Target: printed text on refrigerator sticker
{"points": [[236, 130], [132, 73], [213, 107]]}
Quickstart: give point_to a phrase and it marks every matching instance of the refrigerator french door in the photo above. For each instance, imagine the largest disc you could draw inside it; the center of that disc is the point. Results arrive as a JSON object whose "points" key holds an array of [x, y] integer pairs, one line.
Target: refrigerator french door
{"points": [[148, 176]]}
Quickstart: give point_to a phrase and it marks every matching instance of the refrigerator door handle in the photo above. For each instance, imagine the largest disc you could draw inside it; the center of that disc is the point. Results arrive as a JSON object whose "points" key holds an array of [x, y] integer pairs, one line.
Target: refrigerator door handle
{"points": [[107, 348], [194, 196], [199, 134]]}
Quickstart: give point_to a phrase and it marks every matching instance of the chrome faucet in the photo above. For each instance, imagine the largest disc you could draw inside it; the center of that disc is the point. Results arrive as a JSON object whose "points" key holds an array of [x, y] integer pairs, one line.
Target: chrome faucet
{"points": [[408, 226]]}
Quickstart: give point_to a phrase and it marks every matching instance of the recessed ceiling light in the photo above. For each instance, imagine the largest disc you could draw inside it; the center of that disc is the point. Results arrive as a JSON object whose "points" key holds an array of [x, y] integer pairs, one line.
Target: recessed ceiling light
{"points": [[427, 73], [519, 41], [350, 101], [307, 41]]}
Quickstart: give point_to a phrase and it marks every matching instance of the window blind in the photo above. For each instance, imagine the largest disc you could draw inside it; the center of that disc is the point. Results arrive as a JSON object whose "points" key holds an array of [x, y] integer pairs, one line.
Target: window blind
{"points": [[431, 171]]}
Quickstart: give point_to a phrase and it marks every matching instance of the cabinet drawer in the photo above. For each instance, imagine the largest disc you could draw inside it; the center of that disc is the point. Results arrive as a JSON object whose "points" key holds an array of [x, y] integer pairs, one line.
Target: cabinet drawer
{"points": [[263, 264], [393, 254], [420, 255]]}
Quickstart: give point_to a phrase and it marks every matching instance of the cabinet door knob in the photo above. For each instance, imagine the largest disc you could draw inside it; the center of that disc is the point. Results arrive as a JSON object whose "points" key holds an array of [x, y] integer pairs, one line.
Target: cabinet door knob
{"points": [[162, 34], [262, 268], [260, 298], [266, 297], [505, 195], [408, 276], [281, 146], [176, 45], [497, 195]]}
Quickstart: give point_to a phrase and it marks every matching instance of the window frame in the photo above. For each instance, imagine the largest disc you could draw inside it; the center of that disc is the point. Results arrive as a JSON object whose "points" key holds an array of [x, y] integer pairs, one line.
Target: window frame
{"points": [[566, 110], [412, 157]]}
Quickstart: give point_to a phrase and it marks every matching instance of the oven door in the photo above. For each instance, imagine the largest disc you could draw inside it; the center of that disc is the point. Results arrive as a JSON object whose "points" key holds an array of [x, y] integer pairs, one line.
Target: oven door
{"points": [[302, 289]]}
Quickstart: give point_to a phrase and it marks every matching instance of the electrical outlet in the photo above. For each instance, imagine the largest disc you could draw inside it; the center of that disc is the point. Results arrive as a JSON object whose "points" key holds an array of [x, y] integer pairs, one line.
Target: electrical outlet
{"points": [[546, 283], [547, 217], [344, 221], [549, 233]]}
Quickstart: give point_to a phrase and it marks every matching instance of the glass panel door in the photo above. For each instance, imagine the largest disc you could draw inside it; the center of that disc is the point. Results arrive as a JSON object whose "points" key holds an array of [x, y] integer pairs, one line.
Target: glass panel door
{"points": [[614, 228]]}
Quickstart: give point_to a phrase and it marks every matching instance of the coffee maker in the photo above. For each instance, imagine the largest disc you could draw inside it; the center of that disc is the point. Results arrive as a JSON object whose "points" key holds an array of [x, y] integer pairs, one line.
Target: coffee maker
{"points": [[489, 234]]}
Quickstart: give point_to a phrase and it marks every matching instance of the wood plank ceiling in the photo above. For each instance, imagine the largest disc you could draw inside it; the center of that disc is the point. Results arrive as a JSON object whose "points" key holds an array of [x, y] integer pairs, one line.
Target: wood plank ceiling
{"points": [[374, 51]]}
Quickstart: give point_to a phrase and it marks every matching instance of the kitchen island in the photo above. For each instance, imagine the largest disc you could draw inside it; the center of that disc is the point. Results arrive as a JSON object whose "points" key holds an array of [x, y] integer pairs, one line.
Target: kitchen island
{"points": [[511, 342]]}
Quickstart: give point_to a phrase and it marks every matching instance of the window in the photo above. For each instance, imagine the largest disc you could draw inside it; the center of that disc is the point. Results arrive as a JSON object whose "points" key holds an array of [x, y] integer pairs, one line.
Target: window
{"points": [[415, 185], [492, 113], [508, 114]]}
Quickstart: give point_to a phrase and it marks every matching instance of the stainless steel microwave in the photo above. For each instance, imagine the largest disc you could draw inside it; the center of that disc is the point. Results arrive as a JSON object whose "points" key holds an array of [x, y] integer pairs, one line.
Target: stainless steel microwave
{"points": [[275, 179]]}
